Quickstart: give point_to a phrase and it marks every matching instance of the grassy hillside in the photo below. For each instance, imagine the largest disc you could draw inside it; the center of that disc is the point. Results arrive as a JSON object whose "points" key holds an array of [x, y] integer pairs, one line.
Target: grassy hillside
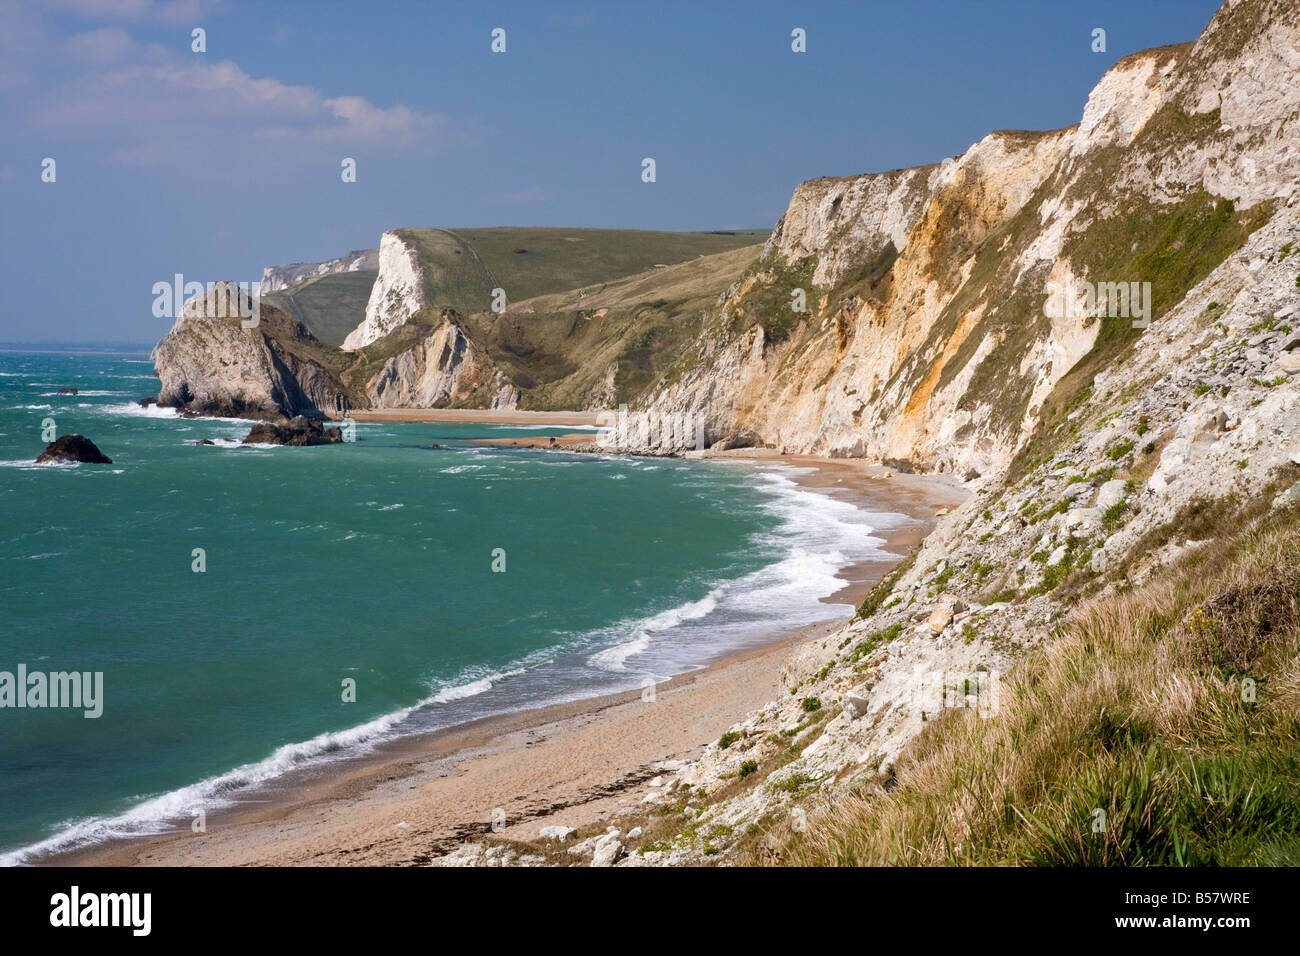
{"points": [[1160, 729], [463, 266], [559, 349], [331, 306]]}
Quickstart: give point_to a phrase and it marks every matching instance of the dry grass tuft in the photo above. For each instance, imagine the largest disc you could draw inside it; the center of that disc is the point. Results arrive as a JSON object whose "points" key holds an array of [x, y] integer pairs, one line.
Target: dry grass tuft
{"points": [[1162, 728]]}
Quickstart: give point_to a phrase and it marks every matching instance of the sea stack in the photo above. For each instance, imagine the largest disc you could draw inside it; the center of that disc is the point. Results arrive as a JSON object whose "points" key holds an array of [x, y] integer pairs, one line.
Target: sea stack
{"points": [[73, 448], [299, 430]]}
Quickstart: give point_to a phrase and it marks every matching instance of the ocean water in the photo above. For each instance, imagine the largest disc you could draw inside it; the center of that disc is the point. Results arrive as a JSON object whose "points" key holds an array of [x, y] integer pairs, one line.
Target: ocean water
{"points": [[369, 561]]}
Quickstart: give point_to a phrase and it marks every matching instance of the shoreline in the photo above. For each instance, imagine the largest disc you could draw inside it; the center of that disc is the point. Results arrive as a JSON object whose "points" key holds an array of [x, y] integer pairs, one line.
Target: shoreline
{"points": [[574, 763], [480, 416]]}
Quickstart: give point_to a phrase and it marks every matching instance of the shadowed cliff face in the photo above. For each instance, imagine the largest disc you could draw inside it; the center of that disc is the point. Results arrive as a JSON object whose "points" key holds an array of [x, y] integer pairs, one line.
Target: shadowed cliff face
{"points": [[210, 365]]}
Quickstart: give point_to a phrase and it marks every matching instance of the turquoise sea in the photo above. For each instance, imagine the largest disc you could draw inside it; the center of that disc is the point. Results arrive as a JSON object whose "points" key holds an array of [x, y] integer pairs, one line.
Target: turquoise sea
{"points": [[370, 561]]}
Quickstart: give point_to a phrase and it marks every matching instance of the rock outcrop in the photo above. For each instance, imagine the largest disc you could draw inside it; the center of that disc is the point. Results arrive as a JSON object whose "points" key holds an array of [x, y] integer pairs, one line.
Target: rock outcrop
{"points": [[440, 369], [72, 448], [298, 431], [209, 365]]}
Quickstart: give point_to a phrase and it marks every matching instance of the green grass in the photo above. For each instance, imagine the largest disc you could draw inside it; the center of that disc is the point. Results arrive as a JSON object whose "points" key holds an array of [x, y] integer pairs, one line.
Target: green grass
{"points": [[1162, 729], [769, 302], [559, 348], [1171, 246], [1113, 517], [883, 588], [463, 266], [1121, 448], [874, 640], [331, 306]]}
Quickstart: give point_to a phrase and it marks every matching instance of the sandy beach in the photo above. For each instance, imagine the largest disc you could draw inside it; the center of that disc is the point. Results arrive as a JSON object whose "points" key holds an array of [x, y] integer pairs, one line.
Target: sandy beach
{"points": [[574, 764]]}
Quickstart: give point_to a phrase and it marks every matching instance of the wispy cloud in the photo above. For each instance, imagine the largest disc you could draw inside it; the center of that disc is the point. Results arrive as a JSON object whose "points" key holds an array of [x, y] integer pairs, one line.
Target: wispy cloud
{"points": [[150, 106], [20, 35], [101, 47]]}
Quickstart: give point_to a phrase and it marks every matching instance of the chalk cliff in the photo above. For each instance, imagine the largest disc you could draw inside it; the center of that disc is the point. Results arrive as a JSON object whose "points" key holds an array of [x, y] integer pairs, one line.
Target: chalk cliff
{"points": [[277, 278], [398, 292], [925, 338]]}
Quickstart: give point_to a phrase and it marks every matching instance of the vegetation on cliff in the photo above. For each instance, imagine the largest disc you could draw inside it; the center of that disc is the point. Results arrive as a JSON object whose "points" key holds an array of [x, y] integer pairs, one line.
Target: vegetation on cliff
{"points": [[1160, 727]]}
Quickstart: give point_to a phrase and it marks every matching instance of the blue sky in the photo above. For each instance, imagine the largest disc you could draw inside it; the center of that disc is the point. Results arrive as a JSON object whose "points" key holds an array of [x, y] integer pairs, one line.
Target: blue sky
{"points": [[216, 164]]}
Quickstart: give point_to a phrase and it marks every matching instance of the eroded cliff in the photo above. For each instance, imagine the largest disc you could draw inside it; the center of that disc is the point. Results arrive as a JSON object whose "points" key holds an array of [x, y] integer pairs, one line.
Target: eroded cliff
{"points": [[926, 337]]}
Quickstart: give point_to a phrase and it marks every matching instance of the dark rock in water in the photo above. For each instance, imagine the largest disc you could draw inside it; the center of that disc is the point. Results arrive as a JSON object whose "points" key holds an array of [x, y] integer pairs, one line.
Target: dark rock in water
{"points": [[147, 401], [73, 448], [66, 391], [205, 441], [299, 430]]}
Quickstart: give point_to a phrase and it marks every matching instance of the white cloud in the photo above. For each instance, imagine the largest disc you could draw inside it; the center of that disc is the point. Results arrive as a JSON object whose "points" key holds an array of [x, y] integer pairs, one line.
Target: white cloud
{"points": [[197, 114], [102, 46], [152, 106]]}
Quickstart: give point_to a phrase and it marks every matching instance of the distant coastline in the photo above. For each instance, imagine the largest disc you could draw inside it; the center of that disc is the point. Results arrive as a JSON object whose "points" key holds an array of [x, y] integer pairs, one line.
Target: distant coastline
{"points": [[77, 348]]}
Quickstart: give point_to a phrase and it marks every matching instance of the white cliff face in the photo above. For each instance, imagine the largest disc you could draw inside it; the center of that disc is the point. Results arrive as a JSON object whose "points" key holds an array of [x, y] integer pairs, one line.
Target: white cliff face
{"points": [[1127, 96], [398, 293], [845, 389], [947, 363], [841, 220], [1255, 90], [434, 371], [275, 278], [441, 369]]}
